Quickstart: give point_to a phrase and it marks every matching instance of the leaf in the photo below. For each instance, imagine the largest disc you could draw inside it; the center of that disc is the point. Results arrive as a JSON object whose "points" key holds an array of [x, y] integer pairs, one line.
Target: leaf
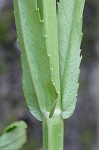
{"points": [[50, 31], [51, 34], [70, 35], [40, 93], [14, 136]]}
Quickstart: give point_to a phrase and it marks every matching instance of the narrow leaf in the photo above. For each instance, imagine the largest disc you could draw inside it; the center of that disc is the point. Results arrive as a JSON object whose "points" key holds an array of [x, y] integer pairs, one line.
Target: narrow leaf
{"points": [[51, 33], [14, 136], [39, 90], [70, 35]]}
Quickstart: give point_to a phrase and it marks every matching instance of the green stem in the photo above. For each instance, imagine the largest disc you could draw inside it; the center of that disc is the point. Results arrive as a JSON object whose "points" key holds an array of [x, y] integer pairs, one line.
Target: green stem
{"points": [[53, 129]]}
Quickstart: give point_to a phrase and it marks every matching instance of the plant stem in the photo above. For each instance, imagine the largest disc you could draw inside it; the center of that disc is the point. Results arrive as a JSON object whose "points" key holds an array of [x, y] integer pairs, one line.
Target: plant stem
{"points": [[53, 129]]}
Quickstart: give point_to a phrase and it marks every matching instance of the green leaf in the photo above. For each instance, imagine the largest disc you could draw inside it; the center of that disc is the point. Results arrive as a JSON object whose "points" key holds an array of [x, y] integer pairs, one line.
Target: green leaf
{"points": [[70, 35], [38, 88], [14, 136], [51, 33]]}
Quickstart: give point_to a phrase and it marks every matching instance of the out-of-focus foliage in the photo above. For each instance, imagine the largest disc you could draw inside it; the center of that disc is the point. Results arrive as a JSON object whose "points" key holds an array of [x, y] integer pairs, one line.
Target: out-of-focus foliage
{"points": [[14, 136]]}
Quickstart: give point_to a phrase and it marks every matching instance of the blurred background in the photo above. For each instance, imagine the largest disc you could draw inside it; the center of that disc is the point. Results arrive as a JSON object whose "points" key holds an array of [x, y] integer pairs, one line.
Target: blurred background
{"points": [[82, 129]]}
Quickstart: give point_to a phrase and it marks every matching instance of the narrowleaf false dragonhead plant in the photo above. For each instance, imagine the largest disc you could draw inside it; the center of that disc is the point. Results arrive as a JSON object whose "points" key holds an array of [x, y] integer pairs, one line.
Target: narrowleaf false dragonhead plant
{"points": [[49, 35]]}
